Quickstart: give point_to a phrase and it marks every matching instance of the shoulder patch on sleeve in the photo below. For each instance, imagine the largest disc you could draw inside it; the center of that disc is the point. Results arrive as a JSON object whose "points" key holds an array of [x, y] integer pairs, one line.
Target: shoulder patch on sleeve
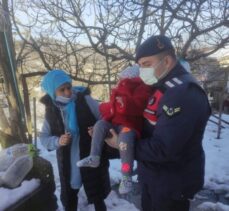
{"points": [[171, 111]]}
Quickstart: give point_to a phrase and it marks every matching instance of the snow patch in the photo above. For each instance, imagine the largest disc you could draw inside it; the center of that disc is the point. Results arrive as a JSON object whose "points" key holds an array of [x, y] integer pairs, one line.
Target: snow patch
{"points": [[209, 206], [10, 196]]}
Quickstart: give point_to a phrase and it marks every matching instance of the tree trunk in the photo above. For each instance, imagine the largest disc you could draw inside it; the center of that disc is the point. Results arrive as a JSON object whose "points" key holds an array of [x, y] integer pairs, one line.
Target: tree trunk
{"points": [[7, 58], [7, 140], [4, 124]]}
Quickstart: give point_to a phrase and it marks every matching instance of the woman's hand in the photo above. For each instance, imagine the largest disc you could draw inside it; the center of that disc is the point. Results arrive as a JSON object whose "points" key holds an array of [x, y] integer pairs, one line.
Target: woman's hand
{"points": [[112, 141], [65, 139]]}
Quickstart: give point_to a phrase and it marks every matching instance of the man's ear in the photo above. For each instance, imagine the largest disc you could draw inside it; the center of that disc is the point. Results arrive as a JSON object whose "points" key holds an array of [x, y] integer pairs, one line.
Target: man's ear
{"points": [[168, 62]]}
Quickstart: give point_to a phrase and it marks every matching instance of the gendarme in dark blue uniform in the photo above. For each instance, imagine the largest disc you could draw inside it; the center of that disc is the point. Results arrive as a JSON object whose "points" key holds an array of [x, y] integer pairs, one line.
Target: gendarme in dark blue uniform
{"points": [[170, 156]]}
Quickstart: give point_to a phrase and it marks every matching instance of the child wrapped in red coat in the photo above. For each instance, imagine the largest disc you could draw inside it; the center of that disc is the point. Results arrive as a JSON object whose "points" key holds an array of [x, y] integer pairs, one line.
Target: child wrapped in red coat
{"points": [[124, 113]]}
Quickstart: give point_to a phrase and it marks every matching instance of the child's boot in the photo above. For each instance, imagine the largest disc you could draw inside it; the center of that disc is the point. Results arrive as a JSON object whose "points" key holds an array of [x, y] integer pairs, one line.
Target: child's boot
{"points": [[90, 161], [126, 185]]}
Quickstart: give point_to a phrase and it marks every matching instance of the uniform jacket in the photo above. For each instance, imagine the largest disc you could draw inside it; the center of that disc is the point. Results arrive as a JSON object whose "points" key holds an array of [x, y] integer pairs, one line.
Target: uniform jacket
{"points": [[134, 95], [170, 156]]}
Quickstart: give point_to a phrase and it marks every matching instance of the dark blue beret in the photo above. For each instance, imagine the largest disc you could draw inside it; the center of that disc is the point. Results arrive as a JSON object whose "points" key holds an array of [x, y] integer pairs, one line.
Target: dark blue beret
{"points": [[153, 45]]}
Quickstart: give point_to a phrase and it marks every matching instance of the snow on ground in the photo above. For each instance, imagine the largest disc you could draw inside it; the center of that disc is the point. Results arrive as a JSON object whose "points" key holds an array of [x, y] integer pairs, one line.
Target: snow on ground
{"points": [[10, 196], [216, 178], [217, 157], [217, 164], [209, 206]]}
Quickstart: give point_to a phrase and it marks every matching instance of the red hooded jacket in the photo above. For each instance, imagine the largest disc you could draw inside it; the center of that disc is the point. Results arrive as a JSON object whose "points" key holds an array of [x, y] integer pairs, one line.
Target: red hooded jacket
{"points": [[127, 103]]}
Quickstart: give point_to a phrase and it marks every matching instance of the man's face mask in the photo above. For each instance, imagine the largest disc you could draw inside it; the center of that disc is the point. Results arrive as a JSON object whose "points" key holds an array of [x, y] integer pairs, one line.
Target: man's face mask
{"points": [[147, 74]]}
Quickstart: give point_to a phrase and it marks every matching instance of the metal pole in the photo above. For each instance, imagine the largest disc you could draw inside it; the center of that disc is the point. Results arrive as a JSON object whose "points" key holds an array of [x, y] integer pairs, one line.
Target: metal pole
{"points": [[35, 121]]}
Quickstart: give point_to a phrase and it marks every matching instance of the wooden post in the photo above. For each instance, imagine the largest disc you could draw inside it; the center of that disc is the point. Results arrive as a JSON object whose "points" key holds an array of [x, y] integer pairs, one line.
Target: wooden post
{"points": [[220, 115], [221, 101], [35, 121], [27, 107]]}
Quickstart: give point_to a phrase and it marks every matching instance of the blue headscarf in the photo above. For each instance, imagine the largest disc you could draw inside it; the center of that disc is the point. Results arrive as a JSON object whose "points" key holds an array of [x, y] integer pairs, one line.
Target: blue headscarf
{"points": [[51, 81], [54, 79]]}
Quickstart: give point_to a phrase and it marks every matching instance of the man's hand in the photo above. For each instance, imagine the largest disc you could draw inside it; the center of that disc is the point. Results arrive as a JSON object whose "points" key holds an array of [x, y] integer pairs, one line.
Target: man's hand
{"points": [[90, 131], [112, 141], [65, 139]]}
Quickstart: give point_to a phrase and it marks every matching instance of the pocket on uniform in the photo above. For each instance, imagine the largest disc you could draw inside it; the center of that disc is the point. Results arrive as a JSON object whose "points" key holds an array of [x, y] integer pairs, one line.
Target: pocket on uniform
{"points": [[171, 186]]}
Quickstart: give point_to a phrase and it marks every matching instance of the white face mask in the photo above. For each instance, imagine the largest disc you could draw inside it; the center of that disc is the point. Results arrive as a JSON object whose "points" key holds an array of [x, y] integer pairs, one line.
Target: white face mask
{"points": [[64, 100], [147, 74]]}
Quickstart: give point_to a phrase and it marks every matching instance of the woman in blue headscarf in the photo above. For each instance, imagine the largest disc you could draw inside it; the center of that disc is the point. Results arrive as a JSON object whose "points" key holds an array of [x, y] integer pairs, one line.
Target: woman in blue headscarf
{"points": [[69, 112]]}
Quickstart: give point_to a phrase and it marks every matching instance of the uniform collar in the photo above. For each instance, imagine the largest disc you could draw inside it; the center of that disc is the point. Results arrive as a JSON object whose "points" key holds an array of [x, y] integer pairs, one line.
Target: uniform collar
{"points": [[177, 71]]}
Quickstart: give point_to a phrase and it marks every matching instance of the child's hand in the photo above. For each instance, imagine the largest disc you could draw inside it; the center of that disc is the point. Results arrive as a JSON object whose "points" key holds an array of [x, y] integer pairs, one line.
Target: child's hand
{"points": [[90, 131], [65, 139], [120, 101]]}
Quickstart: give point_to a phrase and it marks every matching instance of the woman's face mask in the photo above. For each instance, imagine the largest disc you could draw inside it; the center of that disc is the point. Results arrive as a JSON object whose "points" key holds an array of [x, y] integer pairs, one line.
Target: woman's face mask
{"points": [[147, 74], [64, 100], [64, 93]]}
